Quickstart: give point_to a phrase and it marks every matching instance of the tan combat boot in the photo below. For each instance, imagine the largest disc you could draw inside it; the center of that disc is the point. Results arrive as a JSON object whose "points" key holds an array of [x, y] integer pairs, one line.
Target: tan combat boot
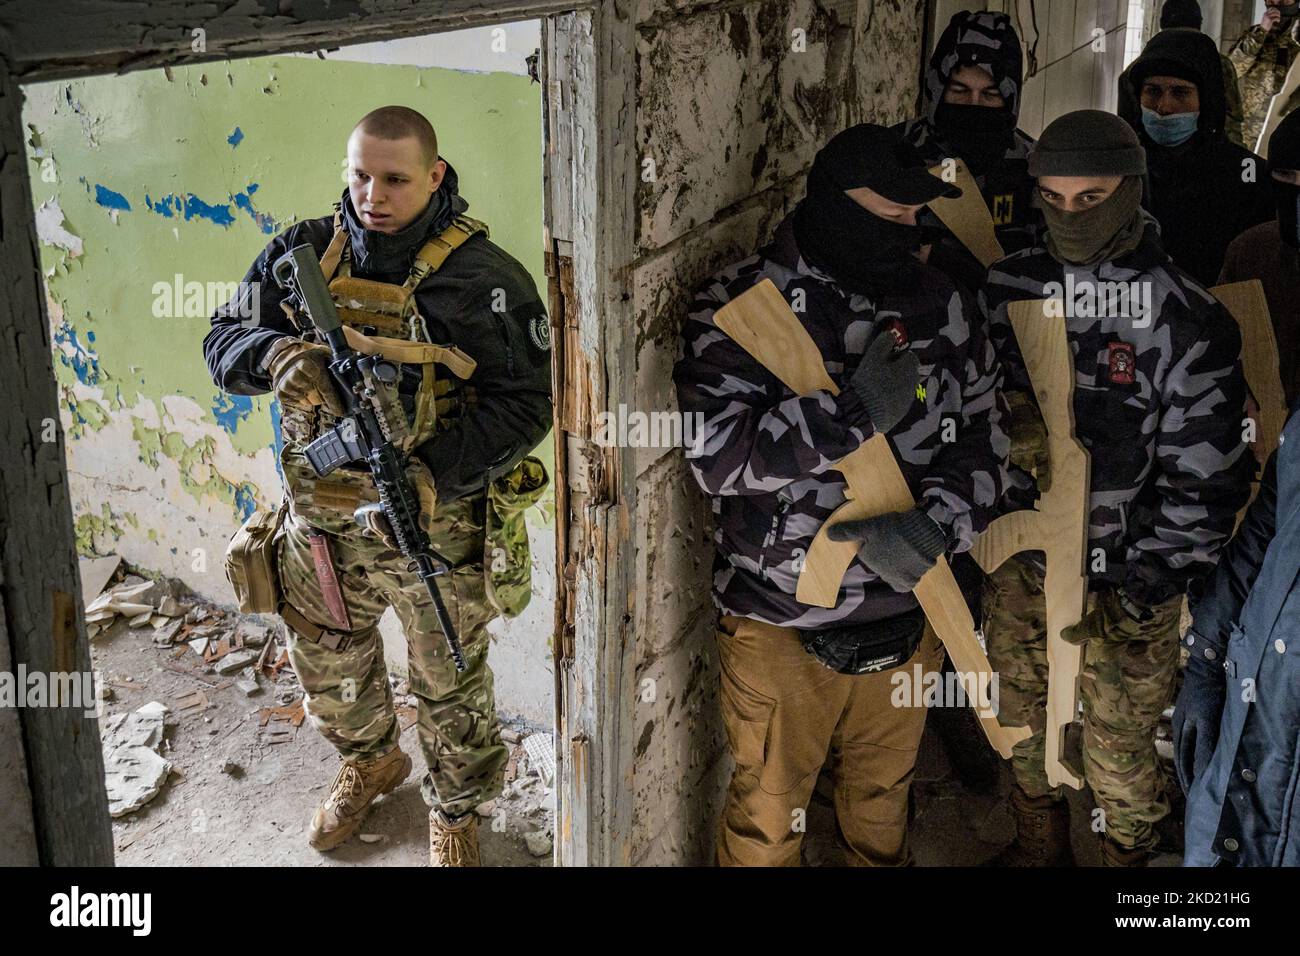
{"points": [[1042, 832], [453, 843], [354, 789]]}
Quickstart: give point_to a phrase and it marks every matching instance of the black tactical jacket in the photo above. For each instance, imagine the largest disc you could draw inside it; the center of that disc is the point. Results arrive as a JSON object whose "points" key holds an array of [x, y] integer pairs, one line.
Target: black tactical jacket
{"points": [[511, 343]]}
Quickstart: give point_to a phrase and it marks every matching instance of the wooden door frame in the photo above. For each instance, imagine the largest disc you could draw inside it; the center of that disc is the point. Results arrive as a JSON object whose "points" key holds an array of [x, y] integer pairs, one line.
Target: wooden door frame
{"points": [[590, 168]]}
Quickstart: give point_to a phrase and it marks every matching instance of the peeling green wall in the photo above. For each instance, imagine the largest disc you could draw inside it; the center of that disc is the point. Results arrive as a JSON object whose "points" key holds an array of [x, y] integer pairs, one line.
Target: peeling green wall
{"points": [[192, 174]]}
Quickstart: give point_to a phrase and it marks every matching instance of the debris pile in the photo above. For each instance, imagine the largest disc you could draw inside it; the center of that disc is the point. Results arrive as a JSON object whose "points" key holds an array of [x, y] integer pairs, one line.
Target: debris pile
{"points": [[238, 680], [134, 768], [142, 602], [527, 802]]}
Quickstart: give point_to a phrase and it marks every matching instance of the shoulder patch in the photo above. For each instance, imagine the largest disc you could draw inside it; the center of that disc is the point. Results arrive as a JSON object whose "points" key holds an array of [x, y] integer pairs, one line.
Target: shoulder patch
{"points": [[539, 330]]}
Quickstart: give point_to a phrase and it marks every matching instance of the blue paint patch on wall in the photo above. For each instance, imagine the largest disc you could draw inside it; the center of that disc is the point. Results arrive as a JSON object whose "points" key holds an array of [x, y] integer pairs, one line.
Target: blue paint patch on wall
{"points": [[190, 206], [230, 410], [245, 503], [84, 363], [235, 138], [75, 410], [277, 442], [244, 201], [110, 199], [162, 207], [219, 213]]}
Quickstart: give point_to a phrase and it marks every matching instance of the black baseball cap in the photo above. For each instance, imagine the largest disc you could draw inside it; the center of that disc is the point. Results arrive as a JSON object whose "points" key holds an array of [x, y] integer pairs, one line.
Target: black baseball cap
{"points": [[880, 159]]}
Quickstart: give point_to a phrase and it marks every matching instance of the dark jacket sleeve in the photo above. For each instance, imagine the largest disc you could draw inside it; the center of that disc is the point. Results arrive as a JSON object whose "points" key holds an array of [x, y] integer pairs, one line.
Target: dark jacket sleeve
{"points": [[503, 326], [754, 437], [245, 327], [968, 477], [1220, 603], [1199, 475]]}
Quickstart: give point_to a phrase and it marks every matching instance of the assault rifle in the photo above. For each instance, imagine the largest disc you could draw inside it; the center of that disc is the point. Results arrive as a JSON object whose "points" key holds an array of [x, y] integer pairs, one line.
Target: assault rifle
{"points": [[364, 434]]}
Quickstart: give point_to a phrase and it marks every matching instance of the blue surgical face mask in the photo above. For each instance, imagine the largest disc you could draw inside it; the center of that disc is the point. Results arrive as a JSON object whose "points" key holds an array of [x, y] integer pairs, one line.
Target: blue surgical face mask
{"points": [[1172, 130]]}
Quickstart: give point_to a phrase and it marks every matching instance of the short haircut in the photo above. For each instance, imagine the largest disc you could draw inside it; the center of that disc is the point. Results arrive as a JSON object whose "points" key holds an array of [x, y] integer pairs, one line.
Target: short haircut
{"points": [[399, 122]]}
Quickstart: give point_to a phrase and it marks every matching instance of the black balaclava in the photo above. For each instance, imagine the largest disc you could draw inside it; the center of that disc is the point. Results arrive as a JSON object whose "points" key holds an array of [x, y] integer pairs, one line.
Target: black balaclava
{"points": [[1092, 143], [859, 250], [1180, 13], [1284, 153], [980, 135]]}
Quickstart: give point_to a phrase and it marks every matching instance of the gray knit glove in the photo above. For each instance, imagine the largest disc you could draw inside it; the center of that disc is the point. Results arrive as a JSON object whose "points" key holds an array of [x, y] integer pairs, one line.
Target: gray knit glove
{"points": [[885, 380], [899, 546]]}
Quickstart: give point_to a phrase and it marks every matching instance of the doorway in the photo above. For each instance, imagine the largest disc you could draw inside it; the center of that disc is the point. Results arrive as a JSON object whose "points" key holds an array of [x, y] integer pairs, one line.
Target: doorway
{"points": [[209, 469]]}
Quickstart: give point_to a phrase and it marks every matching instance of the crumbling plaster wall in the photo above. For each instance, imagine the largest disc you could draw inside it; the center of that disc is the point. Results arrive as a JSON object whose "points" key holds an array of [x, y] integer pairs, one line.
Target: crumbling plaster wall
{"points": [[730, 114], [179, 177]]}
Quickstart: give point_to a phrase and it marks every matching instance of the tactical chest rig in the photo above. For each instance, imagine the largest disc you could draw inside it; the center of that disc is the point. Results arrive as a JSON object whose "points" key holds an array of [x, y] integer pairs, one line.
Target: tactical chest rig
{"points": [[379, 318], [383, 318]]}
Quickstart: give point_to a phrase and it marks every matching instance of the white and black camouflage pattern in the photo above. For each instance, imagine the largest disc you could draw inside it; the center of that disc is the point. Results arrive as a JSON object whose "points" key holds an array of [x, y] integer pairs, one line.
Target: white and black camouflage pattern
{"points": [[766, 456], [985, 39], [1160, 409], [975, 38]]}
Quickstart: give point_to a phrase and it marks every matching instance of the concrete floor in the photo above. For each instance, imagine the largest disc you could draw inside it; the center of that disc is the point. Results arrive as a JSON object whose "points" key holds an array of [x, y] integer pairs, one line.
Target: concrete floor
{"points": [[259, 814]]}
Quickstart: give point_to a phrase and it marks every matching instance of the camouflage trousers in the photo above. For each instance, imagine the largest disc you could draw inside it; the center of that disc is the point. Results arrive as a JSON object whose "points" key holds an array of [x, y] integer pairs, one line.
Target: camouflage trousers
{"points": [[348, 697], [1125, 686]]}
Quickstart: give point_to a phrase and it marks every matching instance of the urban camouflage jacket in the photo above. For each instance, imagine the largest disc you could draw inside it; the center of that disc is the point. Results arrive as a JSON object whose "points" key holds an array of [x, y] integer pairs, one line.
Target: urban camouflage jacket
{"points": [[766, 456], [983, 38], [1159, 402]]}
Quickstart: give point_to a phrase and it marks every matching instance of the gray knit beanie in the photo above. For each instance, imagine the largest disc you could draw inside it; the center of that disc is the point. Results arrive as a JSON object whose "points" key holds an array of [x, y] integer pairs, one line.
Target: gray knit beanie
{"points": [[1088, 143]]}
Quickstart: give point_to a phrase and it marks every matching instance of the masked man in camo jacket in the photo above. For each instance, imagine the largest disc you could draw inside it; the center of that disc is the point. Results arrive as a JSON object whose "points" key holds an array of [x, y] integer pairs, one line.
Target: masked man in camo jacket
{"points": [[1159, 401], [801, 682]]}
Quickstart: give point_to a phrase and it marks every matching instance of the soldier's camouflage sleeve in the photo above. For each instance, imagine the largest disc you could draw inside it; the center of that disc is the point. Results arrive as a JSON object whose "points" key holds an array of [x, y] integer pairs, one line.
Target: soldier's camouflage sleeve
{"points": [[1246, 49], [244, 328], [967, 477], [1201, 477], [750, 440], [1015, 377]]}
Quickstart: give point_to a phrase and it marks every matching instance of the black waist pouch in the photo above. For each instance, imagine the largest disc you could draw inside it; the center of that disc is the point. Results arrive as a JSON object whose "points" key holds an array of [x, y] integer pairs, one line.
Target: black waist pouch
{"points": [[866, 648]]}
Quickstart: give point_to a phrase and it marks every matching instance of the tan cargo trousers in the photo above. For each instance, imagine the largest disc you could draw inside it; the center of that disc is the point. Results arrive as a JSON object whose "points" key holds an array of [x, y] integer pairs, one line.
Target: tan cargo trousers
{"points": [[784, 714]]}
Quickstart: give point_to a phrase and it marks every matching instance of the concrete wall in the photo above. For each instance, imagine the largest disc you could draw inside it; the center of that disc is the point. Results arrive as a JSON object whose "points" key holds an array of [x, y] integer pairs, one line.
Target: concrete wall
{"points": [[731, 116], [142, 178]]}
